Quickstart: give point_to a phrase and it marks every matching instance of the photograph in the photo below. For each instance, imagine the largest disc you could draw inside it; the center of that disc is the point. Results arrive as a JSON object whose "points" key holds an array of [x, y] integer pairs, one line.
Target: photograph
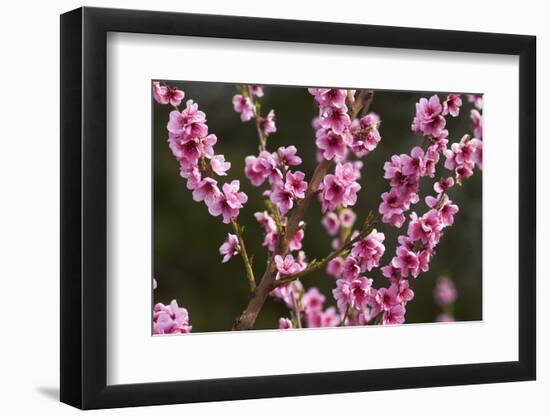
{"points": [[291, 207]]}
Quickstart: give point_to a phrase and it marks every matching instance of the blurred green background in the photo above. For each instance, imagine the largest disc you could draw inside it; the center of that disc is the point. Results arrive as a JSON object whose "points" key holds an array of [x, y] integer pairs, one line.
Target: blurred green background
{"points": [[187, 264]]}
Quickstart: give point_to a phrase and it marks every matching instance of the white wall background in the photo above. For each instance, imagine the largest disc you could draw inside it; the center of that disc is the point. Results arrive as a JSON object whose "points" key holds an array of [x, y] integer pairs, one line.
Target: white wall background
{"points": [[29, 225]]}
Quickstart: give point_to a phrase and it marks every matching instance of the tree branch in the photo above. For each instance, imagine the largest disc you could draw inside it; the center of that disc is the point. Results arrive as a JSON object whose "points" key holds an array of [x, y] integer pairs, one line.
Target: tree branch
{"points": [[257, 121], [244, 255], [316, 265]]}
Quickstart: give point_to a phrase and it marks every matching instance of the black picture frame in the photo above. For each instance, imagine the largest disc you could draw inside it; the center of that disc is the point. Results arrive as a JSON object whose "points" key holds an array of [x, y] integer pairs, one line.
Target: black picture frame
{"points": [[84, 207]]}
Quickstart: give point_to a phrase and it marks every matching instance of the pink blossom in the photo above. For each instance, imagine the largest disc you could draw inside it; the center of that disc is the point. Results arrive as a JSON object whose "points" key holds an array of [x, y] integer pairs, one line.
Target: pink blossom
{"points": [[445, 206], [352, 268], [463, 156], [332, 144], [407, 261], [443, 184], [229, 202], [439, 141], [268, 124], [404, 293], [296, 242], [451, 105], [387, 297], [266, 221], [288, 157], [159, 93], [313, 300], [476, 100], [352, 293], [414, 164], [395, 315], [244, 106], [327, 318], [230, 247], [340, 188], [431, 158], [257, 90], [257, 169], [282, 198], [285, 323], [191, 122], [155, 284], [329, 96], [191, 173], [287, 266], [477, 123], [332, 193], [424, 257], [427, 228], [289, 293], [392, 273], [205, 145], [165, 94], [270, 240], [206, 190], [183, 149], [348, 172], [445, 291], [335, 267], [219, 165], [170, 319], [295, 184], [392, 207], [254, 170], [365, 134], [331, 223], [428, 119], [335, 118], [347, 217], [369, 250], [301, 259]]}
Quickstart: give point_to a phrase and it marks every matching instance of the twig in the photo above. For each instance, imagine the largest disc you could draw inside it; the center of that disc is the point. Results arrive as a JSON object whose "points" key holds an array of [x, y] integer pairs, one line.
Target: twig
{"points": [[257, 121], [316, 265], [244, 255], [296, 312]]}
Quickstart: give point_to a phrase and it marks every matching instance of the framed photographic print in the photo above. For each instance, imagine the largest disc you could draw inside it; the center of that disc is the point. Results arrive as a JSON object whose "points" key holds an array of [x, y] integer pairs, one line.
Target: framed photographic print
{"points": [[256, 208]]}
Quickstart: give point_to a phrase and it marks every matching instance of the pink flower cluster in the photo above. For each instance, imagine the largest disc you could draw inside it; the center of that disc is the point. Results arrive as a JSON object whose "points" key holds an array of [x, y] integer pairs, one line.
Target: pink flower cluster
{"points": [[429, 114], [415, 249], [169, 319], [341, 187], [193, 148], [445, 291], [332, 221], [309, 307], [230, 247], [167, 95], [365, 134], [286, 186], [445, 295], [245, 106], [355, 295], [404, 173], [336, 133], [463, 157]]}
